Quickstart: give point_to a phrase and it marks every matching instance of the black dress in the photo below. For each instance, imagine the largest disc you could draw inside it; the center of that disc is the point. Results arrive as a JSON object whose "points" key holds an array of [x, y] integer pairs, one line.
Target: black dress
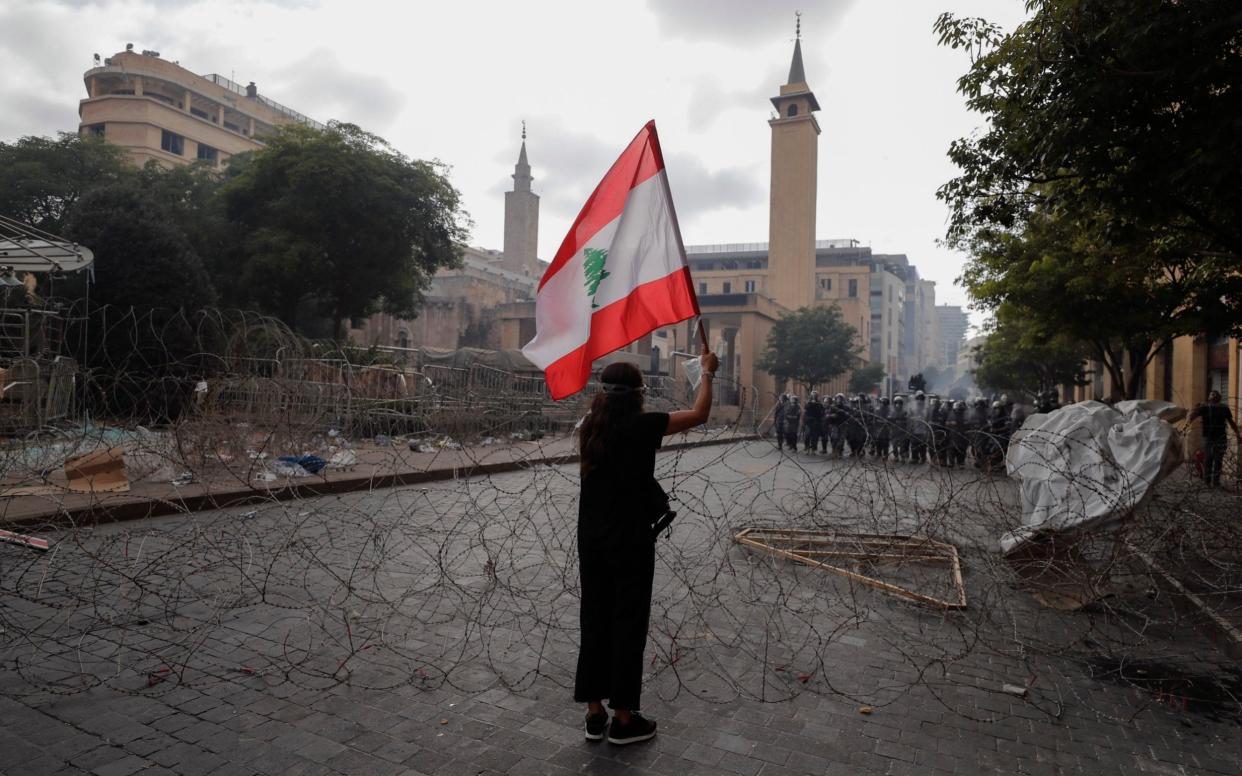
{"points": [[616, 563]]}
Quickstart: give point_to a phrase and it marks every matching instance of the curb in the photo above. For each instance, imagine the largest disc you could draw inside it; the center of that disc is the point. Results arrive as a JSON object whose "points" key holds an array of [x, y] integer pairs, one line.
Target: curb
{"points": [[98, 512]]}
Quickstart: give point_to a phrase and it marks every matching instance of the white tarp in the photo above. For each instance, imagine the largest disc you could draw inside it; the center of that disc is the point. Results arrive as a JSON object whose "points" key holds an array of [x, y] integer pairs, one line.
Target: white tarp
{"points": [[1089, 465]]}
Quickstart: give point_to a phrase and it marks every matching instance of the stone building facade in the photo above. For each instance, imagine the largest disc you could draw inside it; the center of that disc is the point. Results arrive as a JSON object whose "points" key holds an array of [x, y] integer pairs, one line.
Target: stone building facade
{"points": [[159, 111], [487, 302]]}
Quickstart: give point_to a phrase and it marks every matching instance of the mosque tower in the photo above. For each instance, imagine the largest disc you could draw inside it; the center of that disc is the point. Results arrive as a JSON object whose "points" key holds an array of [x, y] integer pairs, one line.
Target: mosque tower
{"points": [[791, 215], [521, 219]]}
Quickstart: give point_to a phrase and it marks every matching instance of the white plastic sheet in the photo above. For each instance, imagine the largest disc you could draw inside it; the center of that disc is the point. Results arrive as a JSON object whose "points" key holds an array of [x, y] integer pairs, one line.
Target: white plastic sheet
{"points": [[1089, 465]]}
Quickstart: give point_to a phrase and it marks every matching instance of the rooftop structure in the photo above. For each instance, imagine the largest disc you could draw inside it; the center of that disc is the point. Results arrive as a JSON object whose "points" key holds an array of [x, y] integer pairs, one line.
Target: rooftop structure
{"points": [[159, 111]]}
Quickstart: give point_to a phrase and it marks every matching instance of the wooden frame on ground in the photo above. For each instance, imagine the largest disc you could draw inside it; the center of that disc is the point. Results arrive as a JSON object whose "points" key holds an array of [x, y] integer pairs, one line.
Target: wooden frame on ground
{"points": [[814, 548]]}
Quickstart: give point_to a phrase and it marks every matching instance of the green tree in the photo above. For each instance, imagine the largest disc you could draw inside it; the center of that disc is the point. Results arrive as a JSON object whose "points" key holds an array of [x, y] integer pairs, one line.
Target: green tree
{"points": [[340, 224], [866, 377], [141, 258], [190, 195], [1020, 355], [1098, 201], [1129, 106], [810, 346], [42, 178], [1085, 280]]}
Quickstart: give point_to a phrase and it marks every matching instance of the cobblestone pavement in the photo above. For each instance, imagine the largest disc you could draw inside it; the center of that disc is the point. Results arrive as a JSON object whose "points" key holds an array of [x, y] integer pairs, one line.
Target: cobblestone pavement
{"points": [[432, 631]]}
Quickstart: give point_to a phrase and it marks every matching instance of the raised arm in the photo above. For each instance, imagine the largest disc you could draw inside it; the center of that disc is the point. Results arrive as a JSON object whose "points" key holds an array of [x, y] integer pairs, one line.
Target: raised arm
{"points": [[683, 420]]}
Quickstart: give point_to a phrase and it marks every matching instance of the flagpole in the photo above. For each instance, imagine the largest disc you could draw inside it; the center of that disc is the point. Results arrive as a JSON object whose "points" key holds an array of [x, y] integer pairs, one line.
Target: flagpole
{"points": [[681, 246]]}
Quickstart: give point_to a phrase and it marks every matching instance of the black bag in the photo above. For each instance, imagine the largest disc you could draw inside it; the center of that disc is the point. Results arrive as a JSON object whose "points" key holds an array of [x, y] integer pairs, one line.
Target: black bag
{"points": [[658, 508]]}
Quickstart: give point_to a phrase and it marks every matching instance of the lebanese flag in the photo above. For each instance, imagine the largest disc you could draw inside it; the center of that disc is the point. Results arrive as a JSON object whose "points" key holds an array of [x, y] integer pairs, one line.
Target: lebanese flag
{"points": [[619, 275]]}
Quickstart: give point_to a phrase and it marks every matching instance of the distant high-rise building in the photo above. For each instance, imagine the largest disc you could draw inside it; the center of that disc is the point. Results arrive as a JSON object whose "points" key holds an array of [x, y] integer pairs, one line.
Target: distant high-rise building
{"points": [[954, 323]]}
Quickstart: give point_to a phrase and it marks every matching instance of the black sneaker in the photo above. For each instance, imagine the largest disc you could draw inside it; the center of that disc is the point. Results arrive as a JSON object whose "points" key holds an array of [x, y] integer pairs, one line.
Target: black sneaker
{"points": [[639, 729], [596, 724]]}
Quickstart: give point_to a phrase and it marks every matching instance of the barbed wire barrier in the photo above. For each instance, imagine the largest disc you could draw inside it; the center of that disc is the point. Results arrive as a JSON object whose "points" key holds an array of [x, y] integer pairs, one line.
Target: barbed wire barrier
{"points": [[470, 583]]}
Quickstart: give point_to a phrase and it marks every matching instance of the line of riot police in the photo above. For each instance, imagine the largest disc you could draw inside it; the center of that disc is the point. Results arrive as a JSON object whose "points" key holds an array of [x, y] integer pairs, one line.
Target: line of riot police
{"points": [[919, 429]]}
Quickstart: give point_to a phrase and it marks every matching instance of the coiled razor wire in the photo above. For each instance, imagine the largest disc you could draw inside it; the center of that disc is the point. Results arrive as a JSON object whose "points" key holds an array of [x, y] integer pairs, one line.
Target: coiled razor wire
{"points": [[472, 583]]}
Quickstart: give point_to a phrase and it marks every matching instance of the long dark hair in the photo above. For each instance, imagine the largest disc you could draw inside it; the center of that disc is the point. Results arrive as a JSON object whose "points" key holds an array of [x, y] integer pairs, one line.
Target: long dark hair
{"points": [[620, 398]]}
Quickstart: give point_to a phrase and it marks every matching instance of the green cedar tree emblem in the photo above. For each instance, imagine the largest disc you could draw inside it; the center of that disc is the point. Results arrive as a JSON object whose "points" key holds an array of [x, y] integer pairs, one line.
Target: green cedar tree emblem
{"points": [[594, 269]]}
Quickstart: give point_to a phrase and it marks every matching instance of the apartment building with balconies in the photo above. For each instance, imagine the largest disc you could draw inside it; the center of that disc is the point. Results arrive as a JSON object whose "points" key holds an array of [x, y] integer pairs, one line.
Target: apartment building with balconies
{"points": [[159, 111]]}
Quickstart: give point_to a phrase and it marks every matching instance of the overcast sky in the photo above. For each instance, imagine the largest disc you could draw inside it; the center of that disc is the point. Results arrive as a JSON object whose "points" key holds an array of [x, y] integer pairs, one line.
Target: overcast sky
{"points": [[453, 81]]}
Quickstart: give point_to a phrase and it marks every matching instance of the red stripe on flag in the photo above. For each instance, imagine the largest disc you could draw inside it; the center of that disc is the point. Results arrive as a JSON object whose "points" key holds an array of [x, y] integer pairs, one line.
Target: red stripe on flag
{"points": [[640, 160], [648, 307]]}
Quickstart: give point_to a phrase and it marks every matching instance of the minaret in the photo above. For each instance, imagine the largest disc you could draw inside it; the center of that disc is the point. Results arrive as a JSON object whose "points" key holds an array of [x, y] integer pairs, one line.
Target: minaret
{"points": [[791, 215], [521, 219]]}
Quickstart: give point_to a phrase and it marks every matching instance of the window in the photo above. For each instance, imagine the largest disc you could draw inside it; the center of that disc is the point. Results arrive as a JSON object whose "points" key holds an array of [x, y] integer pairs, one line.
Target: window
{"points": [[207, 153], [231, 126], [728, 288], [793, 110], [825, 283], [202, 114], [403, 339], [853, 290], [96, 129], [702, 288], [750, 286], [172, 142]]}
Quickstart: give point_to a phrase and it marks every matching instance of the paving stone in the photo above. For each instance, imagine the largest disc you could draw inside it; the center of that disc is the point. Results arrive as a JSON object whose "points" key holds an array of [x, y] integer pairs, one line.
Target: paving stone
{"points": [[123, 767], [231, 723]]}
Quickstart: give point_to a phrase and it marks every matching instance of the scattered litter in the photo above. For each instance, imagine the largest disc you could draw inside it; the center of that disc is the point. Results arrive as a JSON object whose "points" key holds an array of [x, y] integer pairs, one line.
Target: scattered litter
{"points": [[488, 441], [255, 455], [342, 458], [312, 464], [185, 478], [97, 472], [200, 386], [265, 476], [1015, 689], [251, 513], [422, 447], [383, 441], [517, 436], [866, 709], [444, 722], [284, 469], [333, 433]]}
